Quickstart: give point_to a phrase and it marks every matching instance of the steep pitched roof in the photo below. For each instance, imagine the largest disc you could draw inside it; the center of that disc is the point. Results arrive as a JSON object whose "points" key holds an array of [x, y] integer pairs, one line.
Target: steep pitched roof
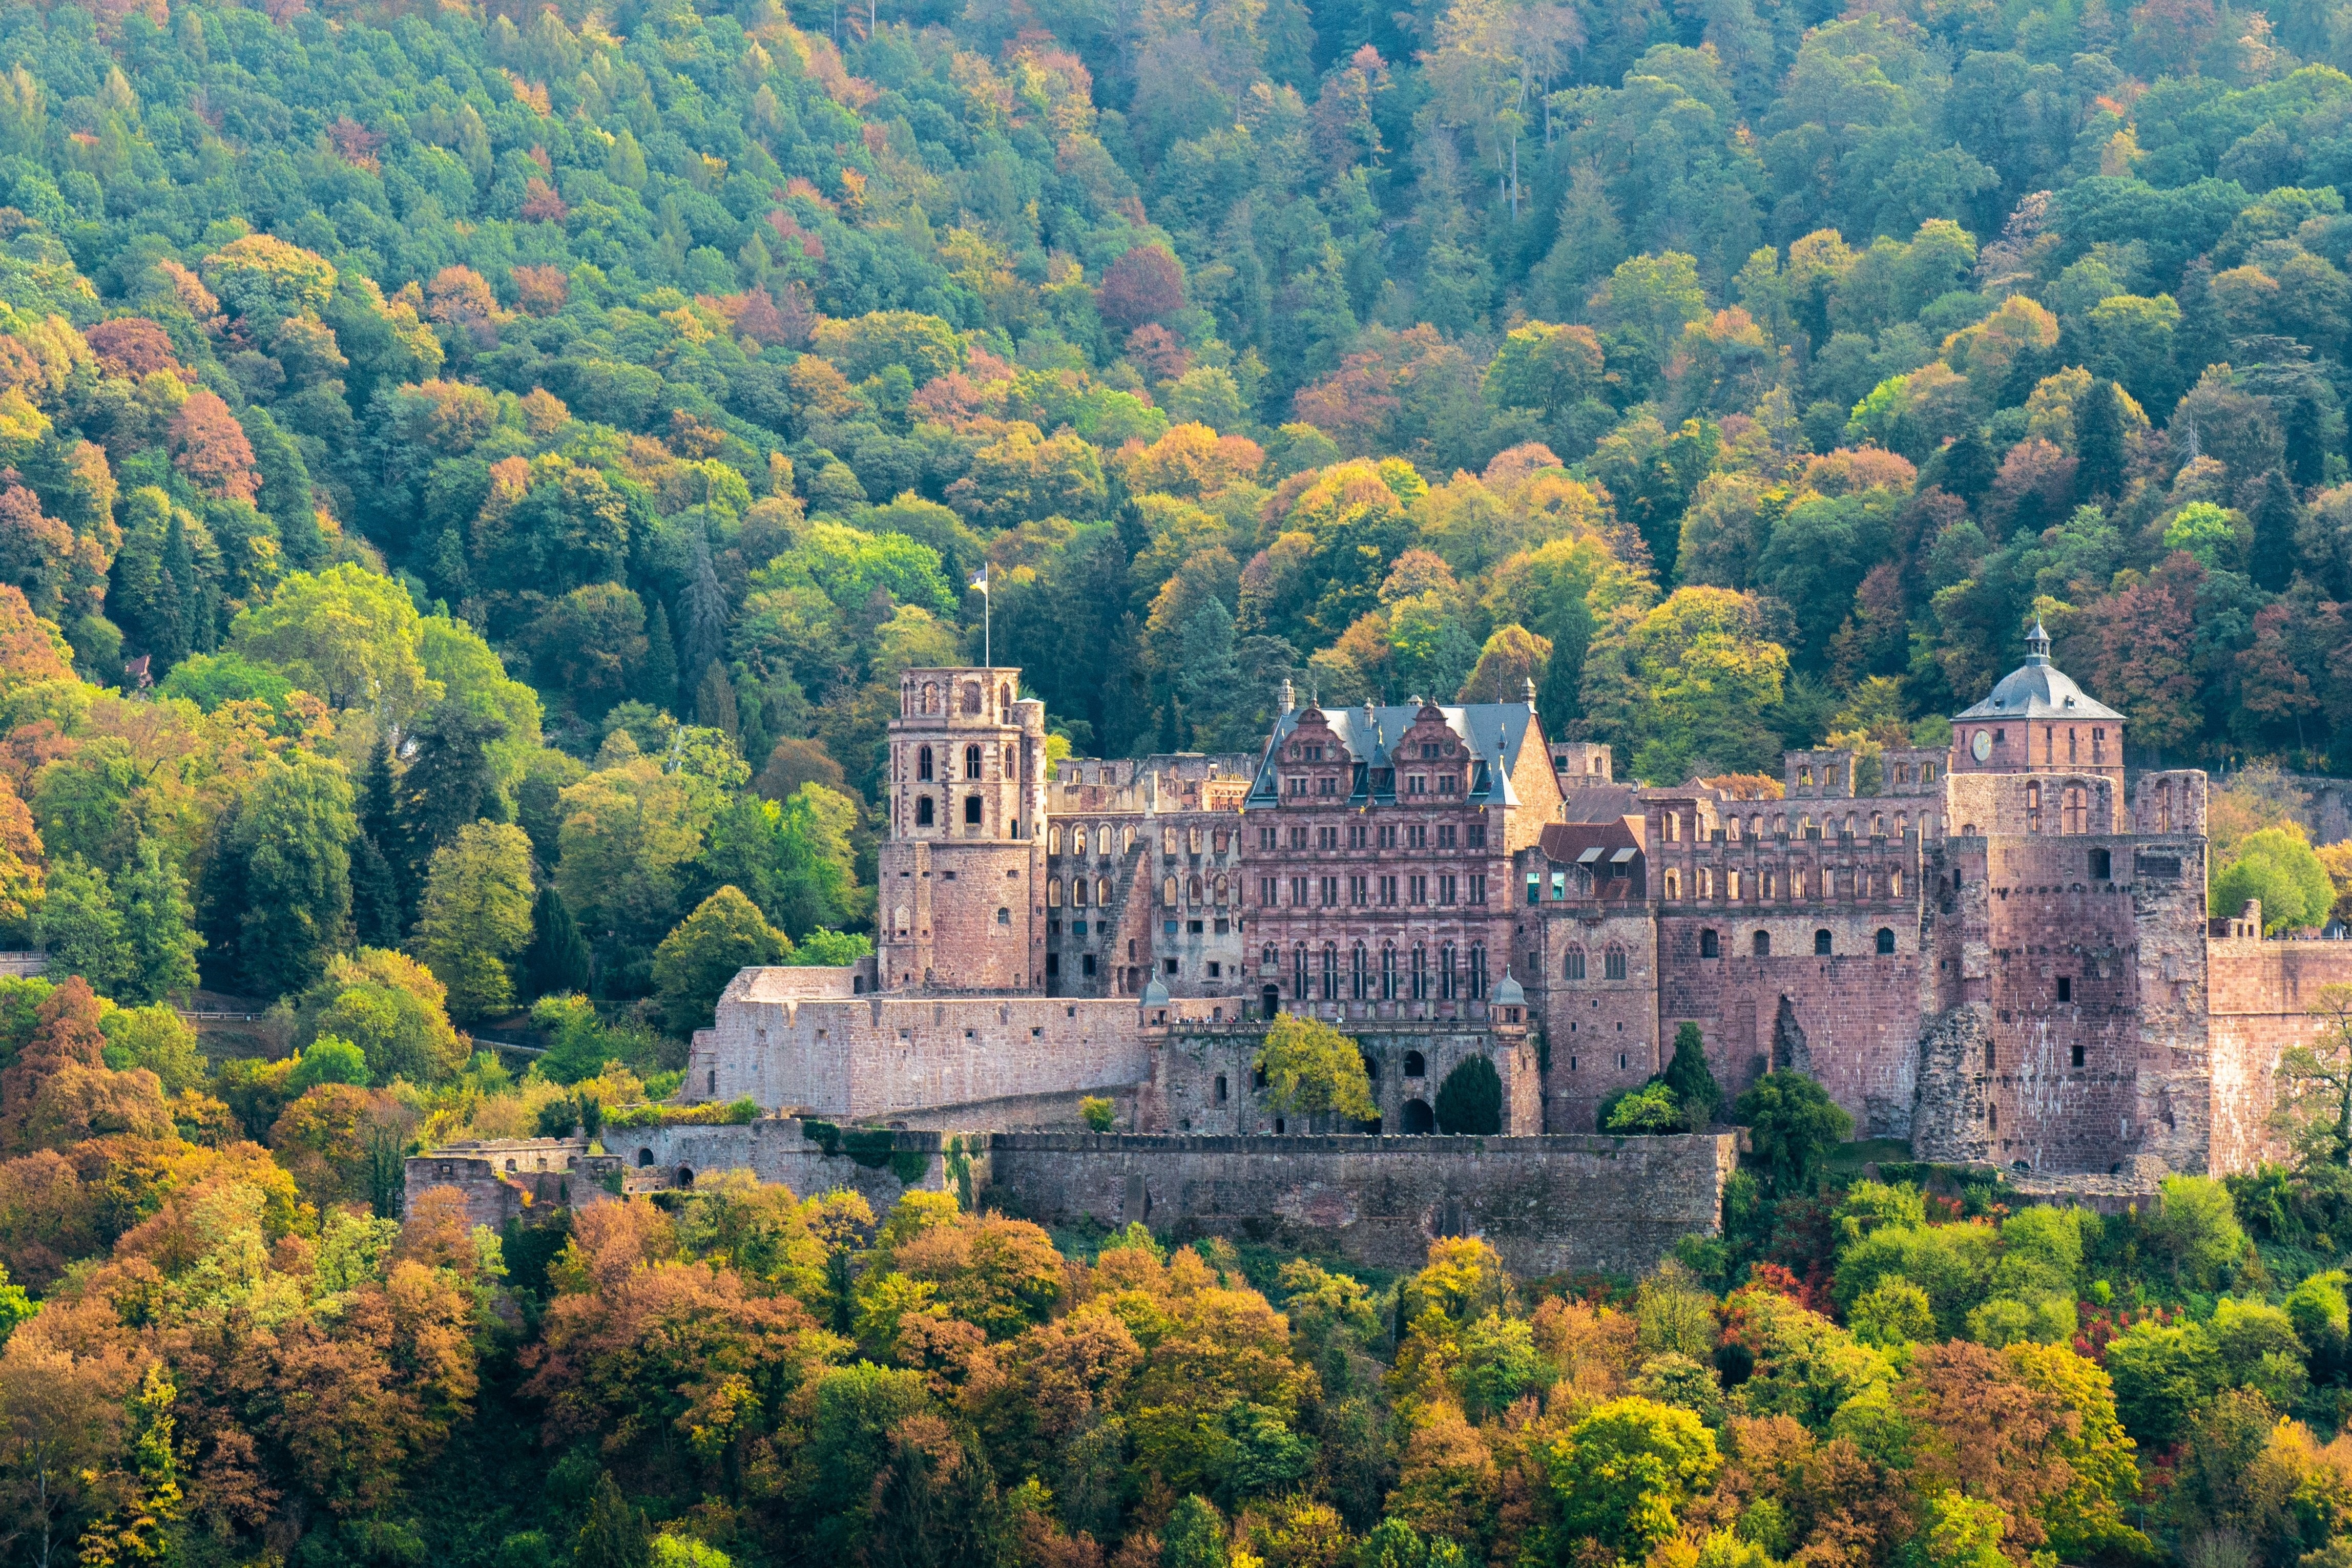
{"points": [[1494, 732]]}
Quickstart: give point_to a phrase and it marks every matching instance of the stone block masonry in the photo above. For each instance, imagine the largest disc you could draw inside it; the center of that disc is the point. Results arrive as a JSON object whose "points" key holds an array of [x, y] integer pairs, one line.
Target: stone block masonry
{"points": [[1547, 1205]]}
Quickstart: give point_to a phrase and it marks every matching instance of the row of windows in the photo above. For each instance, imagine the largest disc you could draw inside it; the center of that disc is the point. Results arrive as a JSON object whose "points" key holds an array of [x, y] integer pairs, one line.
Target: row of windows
{"points": [[1367, 835], [1367, 891], [1295, 785], [972, 699], [1710, 946], [925, 767], [1735, 828], [1101, 840], [927, 816], [1832, 883], [1407, 976], [2098, 747], [2071, 808]]}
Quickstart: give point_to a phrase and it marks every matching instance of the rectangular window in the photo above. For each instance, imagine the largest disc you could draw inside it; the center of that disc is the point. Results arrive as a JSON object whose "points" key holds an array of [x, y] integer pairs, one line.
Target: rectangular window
{"points": [[1445, 835], [1477, 835], [1327, 786], [1389, 891], [1268, 891], [1416, 838], [1360, 890], [1356, 836], [1477, 889], [971, 809], [1445, 890], [1558, 885], [1416, 784], [1299, 893], [1388, 837], [1086, 964], [1445, 782], [1330, 891], [1416, 890], [1265, 838], [1535, 889]]}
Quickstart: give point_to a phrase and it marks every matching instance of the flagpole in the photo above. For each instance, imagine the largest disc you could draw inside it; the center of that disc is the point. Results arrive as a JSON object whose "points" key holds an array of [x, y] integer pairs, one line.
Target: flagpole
{"points": [[987, 614]]}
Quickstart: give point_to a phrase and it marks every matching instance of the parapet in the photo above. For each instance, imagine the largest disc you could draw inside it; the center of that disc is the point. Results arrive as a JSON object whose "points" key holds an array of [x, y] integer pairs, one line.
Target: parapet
{"points": [[2170, 802]]}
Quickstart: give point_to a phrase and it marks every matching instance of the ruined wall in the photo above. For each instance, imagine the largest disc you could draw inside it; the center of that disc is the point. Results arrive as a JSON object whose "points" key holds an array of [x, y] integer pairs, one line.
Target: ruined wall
{"points": [[1600, 1034], [1202, 1080], [885, 1056], [1546, 1204], [522, 1178], [1855, 1010], [2259, 994]]}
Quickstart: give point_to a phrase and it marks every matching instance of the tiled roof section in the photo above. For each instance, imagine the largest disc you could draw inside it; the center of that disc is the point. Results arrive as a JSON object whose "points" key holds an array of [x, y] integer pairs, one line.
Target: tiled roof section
{"points": [[1493, 731], [1602, 802], [1611, 851]]}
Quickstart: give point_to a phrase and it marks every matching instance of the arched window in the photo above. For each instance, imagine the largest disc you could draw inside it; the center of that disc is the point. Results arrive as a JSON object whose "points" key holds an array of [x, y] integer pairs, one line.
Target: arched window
{"points": [[1895, 884], [1706, 882], [1012, 763], [1167, 841], [1387, 973], [1851, 823], [1878, 824], [1708, 948], [1761, 945], [2032, 808], [971, 697], [923, 764], [1674, 884], [1902, 823], [1192, 841], [930, 697], [1477, 972], [1573, 969], [922, 810], [1004, 699], [1194, 889], [1415, 1065], [1359, 974], [1102, 891], [1298, 971], [1886, 939], [1053, 841], [1054, 891], [1821, 944], [1331, 971], [1268, 958], [1221, 892], [1447, 980], [1078, 892], [1168, 893], [2077, 810], [972, 762], [1419, 973], [1418, 1117], [1127, 841], [1612, 964]]}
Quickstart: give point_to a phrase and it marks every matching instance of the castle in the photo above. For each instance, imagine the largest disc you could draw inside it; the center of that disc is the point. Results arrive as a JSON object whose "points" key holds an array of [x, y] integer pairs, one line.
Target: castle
{"points": [[1998, 952]]}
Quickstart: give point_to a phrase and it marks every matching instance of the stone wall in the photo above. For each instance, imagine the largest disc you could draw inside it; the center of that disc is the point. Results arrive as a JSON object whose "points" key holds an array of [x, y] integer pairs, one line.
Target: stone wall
{"points": [[884, 1057], [520, 1179], [2259, 994], [1546, 1204], [1600, 1034], [1203, 1079]]}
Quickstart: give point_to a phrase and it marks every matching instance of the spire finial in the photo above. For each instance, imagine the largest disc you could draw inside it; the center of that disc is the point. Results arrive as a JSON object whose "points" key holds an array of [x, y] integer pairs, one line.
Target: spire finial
{"points": [[2037, 644], [1289, 695], [1531, 691]]}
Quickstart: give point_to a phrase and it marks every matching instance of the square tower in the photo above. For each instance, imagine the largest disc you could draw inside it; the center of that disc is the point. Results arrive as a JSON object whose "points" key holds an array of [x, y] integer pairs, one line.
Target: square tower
{"points": [[959, 870]]}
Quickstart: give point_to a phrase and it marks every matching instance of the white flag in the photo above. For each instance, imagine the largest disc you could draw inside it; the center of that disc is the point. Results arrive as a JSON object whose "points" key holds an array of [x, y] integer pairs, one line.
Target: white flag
{"points": [[980, 581]]}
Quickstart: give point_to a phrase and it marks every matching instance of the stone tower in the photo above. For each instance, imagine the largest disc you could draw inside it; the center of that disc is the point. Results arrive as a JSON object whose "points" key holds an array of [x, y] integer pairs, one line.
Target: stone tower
{"points": [[957, 874]]}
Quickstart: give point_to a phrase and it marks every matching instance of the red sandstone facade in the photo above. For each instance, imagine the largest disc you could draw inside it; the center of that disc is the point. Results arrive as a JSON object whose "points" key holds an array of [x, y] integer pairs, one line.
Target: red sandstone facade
{"points": [[1998, 952]]}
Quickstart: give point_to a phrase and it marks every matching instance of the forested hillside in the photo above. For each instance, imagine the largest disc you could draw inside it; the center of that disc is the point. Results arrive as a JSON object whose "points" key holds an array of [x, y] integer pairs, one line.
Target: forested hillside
{"points": [[469, 479]]}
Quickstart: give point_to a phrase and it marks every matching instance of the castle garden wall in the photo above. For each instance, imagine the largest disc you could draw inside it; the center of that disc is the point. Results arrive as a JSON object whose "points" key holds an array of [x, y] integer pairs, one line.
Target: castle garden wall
{"points": [[880, 1057], [1203, 1079], [2258, 996], [1546, 1204]]}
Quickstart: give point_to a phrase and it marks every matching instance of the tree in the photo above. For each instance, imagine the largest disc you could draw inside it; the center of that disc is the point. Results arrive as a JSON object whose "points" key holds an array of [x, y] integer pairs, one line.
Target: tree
{"points": [[61, 1433], [80, 925], [1690, 1078], [695, 963], [2314, 1100], [614, 1533], [345, 634], [1512, 660], [1311, 1069], [2277, 866], [1145, 284], [393, 1008], [1620, 1472], [475, 916], [1792, 1124], [1195, 1536], [1470, 1100], [157, 924], [557, 960], [329, 1059], [278, 890]]}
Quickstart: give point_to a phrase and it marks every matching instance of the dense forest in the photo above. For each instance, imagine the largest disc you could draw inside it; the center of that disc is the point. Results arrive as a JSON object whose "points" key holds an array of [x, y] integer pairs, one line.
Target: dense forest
{"points": [[470, 476]]}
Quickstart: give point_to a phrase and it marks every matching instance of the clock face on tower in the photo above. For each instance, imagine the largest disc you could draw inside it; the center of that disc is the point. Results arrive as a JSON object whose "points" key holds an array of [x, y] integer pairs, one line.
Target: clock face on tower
{"points": [[1981, 746]]}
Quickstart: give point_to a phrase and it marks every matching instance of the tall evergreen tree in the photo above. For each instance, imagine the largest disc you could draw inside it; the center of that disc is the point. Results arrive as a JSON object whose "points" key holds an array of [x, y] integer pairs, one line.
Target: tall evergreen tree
{"points": [[658, 682], [447, 785], [2099, 443], [2271, 562], [557, 960]]}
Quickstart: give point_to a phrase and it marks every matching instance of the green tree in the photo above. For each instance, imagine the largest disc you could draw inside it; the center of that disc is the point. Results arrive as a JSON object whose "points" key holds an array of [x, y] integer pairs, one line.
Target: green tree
{"points": [[695, 963], [614, 1533], [2278, 866], [278, 888], [155, 1038], [344, 634], [157, 923], [476, 916], [80, 928], [1621, 1472], [1195, 1536], [329, 1059], [1470, 1100], [557, 960], [1311, 1069], [1691, 1079], [1792, 1125]]}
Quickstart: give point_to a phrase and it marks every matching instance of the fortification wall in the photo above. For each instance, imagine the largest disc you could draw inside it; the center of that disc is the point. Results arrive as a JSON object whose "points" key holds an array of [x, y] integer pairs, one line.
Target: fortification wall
{"points": [[1202, 1080], [881, 1057], [1851, 1017], [1601, 1033], [1546, 1204], [2259, 994]]}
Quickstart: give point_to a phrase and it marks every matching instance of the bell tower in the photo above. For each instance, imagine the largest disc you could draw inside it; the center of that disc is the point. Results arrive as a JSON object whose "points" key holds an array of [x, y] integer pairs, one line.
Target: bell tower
{"points": [[958, 872]]}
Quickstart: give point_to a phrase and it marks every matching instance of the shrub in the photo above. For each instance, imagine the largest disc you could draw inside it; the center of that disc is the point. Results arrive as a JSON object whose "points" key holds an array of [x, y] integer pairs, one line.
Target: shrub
{"points": [[1312, 1068], [1099, 1114], [1471, 1098]]}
